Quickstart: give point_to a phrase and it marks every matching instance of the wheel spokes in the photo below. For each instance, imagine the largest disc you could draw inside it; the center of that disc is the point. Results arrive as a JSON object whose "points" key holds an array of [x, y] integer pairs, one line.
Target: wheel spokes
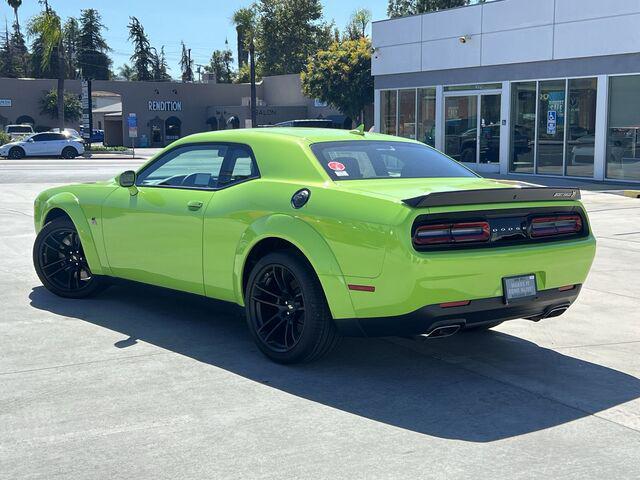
{"points": [[277, 296]]}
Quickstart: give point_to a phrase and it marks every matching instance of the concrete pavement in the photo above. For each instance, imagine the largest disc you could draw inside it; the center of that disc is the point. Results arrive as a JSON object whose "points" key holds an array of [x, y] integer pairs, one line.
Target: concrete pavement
{"points": [[140, 382]]}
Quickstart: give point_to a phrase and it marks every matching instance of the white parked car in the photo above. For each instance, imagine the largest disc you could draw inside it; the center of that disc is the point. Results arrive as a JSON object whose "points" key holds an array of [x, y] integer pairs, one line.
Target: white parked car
{"points": [[46, 144], [19, 131]]}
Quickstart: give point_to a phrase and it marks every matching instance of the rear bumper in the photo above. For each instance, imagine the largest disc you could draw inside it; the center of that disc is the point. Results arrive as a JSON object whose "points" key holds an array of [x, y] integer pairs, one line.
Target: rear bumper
{"points": [[477, 312]]}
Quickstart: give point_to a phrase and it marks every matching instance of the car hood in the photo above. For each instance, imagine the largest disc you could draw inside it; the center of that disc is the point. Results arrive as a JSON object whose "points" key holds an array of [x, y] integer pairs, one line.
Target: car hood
{"points": [[403, 188], [12, 144]]}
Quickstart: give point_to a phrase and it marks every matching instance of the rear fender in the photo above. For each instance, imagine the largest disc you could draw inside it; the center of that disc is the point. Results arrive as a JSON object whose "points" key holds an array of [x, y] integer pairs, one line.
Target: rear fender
{"points": [[314, 248]]}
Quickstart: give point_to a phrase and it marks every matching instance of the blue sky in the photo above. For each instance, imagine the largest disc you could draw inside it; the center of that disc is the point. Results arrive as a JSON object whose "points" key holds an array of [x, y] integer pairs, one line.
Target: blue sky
{"points": [[203, 25]]}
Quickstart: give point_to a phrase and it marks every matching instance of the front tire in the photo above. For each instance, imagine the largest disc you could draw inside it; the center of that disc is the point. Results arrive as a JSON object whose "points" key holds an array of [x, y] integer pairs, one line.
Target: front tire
{"points": [[16, 153], [60, 263], [69, 153], [287, 312]]}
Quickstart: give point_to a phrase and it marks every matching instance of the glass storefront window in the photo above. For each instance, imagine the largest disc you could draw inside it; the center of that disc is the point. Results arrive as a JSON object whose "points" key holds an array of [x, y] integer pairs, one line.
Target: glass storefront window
{"points": [[551, 118], [623, 133], [388, 111], [461, 127], [427, 116], [581, 126], [407, 114], [523, 127]]}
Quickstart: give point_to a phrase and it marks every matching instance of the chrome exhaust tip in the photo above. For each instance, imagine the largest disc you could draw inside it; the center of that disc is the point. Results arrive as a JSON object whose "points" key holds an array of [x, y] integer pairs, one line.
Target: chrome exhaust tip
{"points": [[444, 331]]}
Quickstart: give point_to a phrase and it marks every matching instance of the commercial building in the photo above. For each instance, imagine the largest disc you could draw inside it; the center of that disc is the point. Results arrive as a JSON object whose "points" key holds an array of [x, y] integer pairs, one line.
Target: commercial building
{"points": [[544, 87], [166, 111]]}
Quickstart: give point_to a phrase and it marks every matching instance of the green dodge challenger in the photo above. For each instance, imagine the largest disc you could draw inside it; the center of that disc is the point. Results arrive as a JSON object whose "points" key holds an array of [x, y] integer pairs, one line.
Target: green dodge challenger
{"points": [[320, 233]]}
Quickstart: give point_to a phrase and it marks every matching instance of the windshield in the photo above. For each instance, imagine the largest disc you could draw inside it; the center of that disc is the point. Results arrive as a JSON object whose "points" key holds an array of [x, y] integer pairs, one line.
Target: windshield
{"points": [[364, 159]]}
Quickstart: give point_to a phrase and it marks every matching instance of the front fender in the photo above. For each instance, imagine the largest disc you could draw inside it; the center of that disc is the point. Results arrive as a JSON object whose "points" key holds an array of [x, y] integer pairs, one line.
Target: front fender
{"points": [[70, 204], [311, 244]]}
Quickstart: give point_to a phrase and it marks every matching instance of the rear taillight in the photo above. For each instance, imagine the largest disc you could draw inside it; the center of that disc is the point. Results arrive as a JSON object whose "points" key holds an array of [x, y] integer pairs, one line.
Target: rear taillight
{"points": [[555, 225], [452, 233]]}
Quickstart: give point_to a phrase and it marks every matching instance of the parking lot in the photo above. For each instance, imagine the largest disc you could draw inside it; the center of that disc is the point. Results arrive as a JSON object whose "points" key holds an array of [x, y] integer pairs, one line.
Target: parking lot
{"points": [[140, 381]]}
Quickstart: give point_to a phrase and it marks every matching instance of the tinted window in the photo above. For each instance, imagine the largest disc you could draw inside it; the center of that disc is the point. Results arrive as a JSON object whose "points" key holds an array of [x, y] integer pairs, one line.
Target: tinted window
{"points": [[42, 137], [19, 129], [239, 166], [351, 160]]}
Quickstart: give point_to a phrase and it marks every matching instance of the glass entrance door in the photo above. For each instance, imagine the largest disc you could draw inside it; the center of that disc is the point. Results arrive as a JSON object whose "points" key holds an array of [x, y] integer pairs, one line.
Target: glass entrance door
{"points": [[472, 127]]}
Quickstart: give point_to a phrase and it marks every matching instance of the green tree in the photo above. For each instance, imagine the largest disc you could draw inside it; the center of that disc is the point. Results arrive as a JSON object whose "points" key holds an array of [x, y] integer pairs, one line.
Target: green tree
{"points": [[6, 57], [125, 72], [72, 105], [159, 68], [71, 34], [220, 65], [401, 8], [93, 58], [290, 32], [357, 27], [246, 20], [18, 45], [341, 76], [186, 64], [47, 27], [142, 57]]}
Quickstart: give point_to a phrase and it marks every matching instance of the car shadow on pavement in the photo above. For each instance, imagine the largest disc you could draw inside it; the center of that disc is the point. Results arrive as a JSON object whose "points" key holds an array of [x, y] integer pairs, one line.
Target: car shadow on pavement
{"points": [[476, 387]]}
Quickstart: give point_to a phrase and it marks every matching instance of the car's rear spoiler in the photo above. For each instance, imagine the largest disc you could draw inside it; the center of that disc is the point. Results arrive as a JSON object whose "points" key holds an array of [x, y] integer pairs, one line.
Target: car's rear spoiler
{"points": [[493, 195]]}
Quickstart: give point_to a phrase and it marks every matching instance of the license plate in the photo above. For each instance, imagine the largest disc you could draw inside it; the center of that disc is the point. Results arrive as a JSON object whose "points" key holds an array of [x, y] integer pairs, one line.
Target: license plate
{"points": [[519, 288]]}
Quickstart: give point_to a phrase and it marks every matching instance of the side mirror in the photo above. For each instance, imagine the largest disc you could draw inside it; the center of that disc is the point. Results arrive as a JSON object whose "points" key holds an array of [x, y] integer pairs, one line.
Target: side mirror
{"points": [[30, 140], [127, 179]]}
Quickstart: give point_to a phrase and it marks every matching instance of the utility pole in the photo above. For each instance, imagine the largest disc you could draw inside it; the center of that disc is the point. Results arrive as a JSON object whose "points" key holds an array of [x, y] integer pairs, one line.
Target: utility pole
{"points": [[189, 64]]}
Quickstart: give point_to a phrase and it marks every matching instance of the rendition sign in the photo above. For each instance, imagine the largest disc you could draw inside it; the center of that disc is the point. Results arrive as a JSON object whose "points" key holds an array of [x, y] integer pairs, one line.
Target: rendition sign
{"points": [[165, 106]]}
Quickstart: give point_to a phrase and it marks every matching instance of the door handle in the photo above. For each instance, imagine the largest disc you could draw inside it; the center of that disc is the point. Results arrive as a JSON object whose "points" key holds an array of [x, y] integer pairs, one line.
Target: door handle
{"points": [[194, 205]]}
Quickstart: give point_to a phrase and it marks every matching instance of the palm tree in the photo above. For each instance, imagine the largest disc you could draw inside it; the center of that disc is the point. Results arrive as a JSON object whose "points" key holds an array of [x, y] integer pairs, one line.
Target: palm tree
{"points": [[15, 4], [48, 28], [127, 73], [246, 21]]}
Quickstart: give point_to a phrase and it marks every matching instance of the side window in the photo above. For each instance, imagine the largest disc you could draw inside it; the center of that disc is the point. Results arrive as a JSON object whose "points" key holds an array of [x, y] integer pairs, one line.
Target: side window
{"points": [[58, 136], [239, 166], [43, 137], [195, 166]]}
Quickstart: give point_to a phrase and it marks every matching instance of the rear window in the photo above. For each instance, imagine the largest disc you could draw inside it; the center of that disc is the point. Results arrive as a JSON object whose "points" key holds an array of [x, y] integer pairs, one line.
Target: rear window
{"points": [[19, 129], [352, 160]]}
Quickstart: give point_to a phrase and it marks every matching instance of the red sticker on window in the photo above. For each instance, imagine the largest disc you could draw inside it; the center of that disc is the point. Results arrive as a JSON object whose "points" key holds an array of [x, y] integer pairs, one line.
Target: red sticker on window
{"points": [[336, 166]]}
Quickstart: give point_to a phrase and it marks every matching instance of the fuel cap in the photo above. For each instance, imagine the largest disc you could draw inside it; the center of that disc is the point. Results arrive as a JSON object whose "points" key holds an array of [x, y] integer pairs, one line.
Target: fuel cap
{"points": [[300, 198]]}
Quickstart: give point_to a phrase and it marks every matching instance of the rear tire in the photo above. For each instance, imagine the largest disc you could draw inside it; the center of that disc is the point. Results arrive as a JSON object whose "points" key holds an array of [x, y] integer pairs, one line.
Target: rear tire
{"points": [[287, 312], [69, 153], [16, 153], [60, 263]]}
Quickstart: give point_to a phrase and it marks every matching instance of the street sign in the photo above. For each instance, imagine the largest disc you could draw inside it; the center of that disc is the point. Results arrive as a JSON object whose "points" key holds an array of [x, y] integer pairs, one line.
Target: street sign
{"points": [[552, 119], [87, 108], [132, 123]]}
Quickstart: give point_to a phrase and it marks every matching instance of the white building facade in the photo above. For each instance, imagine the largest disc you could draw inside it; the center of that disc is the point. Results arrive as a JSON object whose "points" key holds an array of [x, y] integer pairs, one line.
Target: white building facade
{"points": [[544, 87]]}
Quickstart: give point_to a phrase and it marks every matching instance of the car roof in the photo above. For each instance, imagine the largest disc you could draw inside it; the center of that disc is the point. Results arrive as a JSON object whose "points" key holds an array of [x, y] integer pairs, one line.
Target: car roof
{"points": [[296, 134], [278, 150]]}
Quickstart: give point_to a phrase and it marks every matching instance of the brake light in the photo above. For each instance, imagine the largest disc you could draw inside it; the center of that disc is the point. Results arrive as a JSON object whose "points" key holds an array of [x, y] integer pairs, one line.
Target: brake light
{"points": [[555, 225], [452, 233]]}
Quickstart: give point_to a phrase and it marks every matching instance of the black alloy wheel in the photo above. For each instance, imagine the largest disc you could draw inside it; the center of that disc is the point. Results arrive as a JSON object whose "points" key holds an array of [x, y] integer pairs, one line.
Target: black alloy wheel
{"points": [[16, 153], [287, 312], [69, 153], [278, 308], [60, 261]]}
